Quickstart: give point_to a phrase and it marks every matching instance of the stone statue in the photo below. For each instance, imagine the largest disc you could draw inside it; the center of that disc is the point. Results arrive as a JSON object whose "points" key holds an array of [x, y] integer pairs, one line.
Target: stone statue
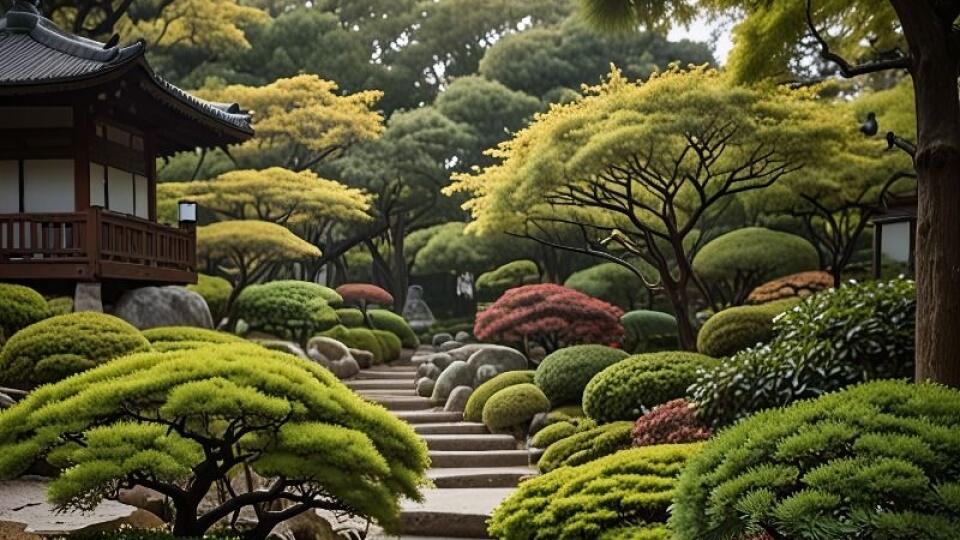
{"points": [[416, 311]]}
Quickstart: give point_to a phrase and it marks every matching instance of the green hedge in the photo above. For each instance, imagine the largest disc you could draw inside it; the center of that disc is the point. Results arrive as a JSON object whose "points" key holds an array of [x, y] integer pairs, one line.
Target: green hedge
{"points": [[629, 388], [737, 328], [511, 409], [587, 445], [625, 495], [649, 331], [19, 307], [560, 430], [60, 346], [216, 292], [390, 345], [831, 340], [878, 460], [474, 408], [492, 284], [359, 338], [614, 283], [292, 309], [383, 319], [564, 373]]}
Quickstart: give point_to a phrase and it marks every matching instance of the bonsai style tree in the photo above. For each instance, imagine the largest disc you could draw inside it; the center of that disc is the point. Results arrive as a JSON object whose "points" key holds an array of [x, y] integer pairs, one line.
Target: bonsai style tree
{"points": [[289, 308], [550, 315], [363, 294], [183, 422]]}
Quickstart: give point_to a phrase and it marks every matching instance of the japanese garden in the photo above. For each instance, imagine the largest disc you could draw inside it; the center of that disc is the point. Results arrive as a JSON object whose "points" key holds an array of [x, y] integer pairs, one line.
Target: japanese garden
{"points": [[438, 269]]}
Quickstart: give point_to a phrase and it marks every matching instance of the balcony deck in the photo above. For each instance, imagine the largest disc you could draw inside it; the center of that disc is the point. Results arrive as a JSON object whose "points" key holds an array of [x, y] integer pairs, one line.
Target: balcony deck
{"points": [[94, 245]]}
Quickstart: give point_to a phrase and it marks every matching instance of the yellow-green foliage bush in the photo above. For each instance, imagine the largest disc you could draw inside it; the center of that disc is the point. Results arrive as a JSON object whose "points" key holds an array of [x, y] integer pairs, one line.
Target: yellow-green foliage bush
{"points": [[564, 373], [629, 388], [878, 460], [560, 430], [288, 308], [474, 408], [390, 344], [737, 328], [166, 338], [513, 274], [19, 307], [565, 414], [511, 409], [587, 445], [628, 492], [383, 319], [190, 418], [359, 338], [66, 344], [350, 317], [60, 305], [216, 292]]}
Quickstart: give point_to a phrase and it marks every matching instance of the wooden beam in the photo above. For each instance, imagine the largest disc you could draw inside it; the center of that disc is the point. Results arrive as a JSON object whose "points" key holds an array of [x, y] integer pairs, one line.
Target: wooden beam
{"points": [[82, 136]]}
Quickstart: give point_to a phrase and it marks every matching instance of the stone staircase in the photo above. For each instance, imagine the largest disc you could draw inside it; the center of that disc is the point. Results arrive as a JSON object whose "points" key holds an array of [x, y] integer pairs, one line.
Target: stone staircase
{"points": [[472, 469]]}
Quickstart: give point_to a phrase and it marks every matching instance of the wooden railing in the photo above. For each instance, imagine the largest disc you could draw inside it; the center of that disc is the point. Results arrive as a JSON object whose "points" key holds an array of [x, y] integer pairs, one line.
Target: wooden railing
{"points": [[98, 238]]}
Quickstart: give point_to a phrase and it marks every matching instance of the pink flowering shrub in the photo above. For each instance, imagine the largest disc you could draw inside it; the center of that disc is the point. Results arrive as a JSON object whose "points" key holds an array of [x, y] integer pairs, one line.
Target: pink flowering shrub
{"points": [[550, 315], [671, 423]]}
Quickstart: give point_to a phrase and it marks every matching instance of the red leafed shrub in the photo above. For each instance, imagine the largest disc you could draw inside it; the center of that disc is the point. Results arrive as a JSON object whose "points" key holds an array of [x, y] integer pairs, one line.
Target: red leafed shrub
{"points": [[671, 423], [803, 285], [362, 294], [551, 315]]}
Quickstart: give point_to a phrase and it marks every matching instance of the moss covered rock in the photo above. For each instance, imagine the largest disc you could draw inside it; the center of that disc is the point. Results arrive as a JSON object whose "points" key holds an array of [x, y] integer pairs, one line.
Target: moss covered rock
{"points": [[511, 409], [563, 374]]}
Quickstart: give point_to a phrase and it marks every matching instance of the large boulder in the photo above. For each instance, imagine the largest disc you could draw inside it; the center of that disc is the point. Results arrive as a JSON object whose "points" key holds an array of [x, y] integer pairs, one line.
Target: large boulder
{"points": [[456, 374], [500, 358], [333, 355], [150, 307], [457, 401], [464, 352]]}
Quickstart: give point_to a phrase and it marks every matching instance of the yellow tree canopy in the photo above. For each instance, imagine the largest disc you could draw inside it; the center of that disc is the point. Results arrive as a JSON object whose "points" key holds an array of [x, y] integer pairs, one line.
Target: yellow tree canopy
{"points": [[301, 120], [213, 25], [276, 194], [242, 247]]}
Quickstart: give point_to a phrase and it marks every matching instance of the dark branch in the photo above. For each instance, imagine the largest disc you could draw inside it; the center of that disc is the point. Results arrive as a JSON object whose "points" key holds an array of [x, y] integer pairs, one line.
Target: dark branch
{"points": [[846, 69]]}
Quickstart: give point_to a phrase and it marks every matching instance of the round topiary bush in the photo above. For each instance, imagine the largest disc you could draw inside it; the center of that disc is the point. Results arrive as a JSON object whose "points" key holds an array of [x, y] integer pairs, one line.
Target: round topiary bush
{"points": [[615, 283], [364, 294], [586, 445], [474, 408], [216, 292], [186, 337], [800, 285], [832, 339], [511, 409], [19, 307], [494, 283], [549, 315], [390, 345], [350, 317], [171, 420], [60, 346], [563, 374], [627, 492], [629, 388], [734, 329], [383, 319], [649, 331], [288, 308], [560, 430], [60, 305], [878, 460]]}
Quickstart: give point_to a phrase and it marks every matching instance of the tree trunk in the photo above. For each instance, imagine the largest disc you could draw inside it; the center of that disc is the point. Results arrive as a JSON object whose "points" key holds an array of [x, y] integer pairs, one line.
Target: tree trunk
{"points": [[935, 72]]}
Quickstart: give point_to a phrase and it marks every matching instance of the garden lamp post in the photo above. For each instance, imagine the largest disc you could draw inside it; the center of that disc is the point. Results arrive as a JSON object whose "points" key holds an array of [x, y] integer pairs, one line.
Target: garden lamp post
{"points": [[187, 214]]}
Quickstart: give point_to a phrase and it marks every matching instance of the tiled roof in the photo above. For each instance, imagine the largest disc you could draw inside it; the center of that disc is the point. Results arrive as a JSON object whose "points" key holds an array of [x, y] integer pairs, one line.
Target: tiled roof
{"points": [[34, 51]]}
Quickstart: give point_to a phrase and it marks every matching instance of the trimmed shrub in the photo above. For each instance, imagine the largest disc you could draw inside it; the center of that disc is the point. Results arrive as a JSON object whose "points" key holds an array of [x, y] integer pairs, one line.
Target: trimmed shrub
{"points": [[560, 430], [390, 345], [60, 346], [550, 315], [511, 409], [474, 408], [563, 374], [733, 264], [494, 283], [673, 422], [587, 445], [171, 336], [565, 413], [358, 338], [216, 292], [292, 309], [350, 317], [873, 461], [629, 388], [831, 340], [649, 331], [734, 329], [60, 305], [363, 294], [626, 492], [799, 285], [19, 307], [614, 283], [164, 417], [383, 319]]}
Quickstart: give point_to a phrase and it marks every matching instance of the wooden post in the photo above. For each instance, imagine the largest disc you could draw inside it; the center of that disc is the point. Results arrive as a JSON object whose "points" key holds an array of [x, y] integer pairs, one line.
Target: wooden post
{"points": [[93, 241], [82, 137]]}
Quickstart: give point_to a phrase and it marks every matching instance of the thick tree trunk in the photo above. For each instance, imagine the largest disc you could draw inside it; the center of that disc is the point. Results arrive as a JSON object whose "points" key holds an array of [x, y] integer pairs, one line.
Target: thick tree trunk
{"points": [[935, 72]]}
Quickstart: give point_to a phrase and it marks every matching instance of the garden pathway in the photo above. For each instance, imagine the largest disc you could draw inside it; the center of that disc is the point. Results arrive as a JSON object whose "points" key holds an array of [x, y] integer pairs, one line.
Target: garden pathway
{"points": [[472, 469]]}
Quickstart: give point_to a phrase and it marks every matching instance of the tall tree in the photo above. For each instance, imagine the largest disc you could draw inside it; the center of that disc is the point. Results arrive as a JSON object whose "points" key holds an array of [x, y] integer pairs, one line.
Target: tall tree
{"points": [[860, 38]]}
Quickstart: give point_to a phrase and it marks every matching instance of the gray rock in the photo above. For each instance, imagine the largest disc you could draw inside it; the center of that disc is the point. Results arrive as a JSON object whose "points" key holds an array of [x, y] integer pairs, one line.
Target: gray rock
{"points": [[333, 355], [150, 307], [87, 297], [288, 347], [450, 345], [500, 358], [440, 339], [425, 386], [463, 337], [463, 353], [441, 360], [6, 401], [539, 422], [537, 354], [484, 374], [457, 401], [424, 370], [364, 358], [456, 374]]}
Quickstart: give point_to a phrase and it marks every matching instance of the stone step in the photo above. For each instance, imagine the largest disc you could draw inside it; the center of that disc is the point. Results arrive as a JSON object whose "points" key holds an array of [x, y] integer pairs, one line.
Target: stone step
{"points": [[470, 442], [458, 513], [402, 403], [451, 428], [380, 384], [483, 458], [381, 393], [479, 477], [366, 375], [428, 417]]}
